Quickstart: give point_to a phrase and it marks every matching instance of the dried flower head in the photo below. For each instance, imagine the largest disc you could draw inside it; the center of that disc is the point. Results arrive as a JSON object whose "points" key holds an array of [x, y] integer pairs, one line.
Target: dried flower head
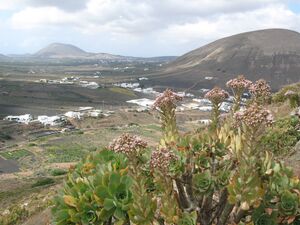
{"points": [[167, 98], [240, 83], [161, 159], [216, 95], [254, 116], [260, 88], [127, 144]]}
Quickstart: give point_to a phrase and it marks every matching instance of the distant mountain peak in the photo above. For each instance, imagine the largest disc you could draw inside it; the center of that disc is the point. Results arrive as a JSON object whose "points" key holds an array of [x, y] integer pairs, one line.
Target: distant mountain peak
{"points": [[60, 50]]}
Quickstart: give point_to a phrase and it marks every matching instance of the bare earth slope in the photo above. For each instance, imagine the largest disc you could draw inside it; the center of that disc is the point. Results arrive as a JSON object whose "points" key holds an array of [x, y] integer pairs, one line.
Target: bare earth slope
{"points": [[272, 54]]}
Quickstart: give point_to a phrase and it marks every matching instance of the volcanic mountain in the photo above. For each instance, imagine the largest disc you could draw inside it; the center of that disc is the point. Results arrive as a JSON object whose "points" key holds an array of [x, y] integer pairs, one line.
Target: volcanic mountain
{"points": [[272, 54], [59, 50]]}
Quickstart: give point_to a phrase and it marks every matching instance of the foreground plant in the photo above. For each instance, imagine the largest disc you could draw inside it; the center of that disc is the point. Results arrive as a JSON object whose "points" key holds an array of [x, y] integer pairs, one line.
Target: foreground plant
{"points": [[260, 91], [166, 104], [216, 96], [238, 86], [220, 176]]}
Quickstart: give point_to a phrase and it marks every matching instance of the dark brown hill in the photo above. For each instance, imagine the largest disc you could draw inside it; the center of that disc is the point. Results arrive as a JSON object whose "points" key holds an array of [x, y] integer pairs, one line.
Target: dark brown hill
{"points": [[272, 54]]}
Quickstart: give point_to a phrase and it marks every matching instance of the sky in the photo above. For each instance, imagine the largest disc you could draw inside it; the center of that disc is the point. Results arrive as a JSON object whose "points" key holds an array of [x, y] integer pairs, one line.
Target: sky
{"points": [[136, 27]]}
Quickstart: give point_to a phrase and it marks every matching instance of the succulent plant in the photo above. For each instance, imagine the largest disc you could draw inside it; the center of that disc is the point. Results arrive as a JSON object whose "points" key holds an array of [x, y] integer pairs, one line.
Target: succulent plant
{"points": [[216, 176]]}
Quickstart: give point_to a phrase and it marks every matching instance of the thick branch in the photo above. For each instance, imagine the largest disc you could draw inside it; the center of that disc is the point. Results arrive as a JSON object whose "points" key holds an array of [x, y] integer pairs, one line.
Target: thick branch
{"points": [[241, 213], [184, 204], [225, 215], [221, 205]]}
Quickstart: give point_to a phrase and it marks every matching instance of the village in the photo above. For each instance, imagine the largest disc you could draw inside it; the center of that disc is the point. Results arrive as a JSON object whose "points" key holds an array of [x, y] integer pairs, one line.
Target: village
{"points": [[190, 102]]}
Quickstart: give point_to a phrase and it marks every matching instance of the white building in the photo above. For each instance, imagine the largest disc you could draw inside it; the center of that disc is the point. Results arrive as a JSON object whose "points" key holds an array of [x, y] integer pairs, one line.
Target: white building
{"points": [[205, 108], [142, 102], [26, 118], [51, 120]]}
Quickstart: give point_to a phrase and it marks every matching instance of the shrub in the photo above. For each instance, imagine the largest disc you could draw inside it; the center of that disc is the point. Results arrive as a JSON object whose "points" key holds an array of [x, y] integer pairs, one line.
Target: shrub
{"points": [[283, 136], [284, 95], [32, 144], [221, 175], [58, 172], [43, 181]]}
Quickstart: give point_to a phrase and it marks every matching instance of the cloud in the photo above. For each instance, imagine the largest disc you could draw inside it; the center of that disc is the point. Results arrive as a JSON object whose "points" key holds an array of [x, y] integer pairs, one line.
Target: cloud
{"points": [[42, 17], [136, 17], [274, 16], [67, 5], [179, 24]]}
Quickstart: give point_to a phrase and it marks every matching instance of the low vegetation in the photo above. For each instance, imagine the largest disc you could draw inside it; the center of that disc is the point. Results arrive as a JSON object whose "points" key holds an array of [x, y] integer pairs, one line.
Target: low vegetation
{"points": [[58, 172], [222, 175], [122, 91], [282, 136], [16, 154], [43, 181], [4, 136], [290, 93], [14, 216], [66, 152]]}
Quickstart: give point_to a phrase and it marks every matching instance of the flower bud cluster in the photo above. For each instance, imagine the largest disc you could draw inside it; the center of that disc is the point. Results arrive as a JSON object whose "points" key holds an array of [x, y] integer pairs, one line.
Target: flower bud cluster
{"points": [[239, 83], [260, 88], [254, 116], [167, 98], [127, 144], [161, 159], [216, 95]]}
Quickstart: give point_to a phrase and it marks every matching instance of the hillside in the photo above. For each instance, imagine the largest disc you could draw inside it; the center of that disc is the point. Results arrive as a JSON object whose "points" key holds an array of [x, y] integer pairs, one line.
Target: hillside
{"points": [[272, 54]]}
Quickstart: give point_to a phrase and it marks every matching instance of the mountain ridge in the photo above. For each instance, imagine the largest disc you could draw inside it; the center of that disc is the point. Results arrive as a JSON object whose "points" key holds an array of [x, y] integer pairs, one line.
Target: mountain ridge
{"points": [[62, 50]]}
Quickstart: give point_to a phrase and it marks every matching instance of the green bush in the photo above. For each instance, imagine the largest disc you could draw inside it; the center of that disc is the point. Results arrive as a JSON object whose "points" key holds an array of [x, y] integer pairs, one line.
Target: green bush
{"points": [[283, 136], [280, 96], [32, 144], [43, 181], [58, 172]]}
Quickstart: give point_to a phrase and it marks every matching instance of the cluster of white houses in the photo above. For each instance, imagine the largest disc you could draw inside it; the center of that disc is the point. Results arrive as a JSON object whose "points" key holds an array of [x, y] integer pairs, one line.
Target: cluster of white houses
{"points": [[59, 120], [72, 80], [200, 104]]}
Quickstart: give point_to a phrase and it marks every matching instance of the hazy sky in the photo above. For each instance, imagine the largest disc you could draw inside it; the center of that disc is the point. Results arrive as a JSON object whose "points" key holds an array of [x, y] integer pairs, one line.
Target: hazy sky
{"points": [[136, 27]]}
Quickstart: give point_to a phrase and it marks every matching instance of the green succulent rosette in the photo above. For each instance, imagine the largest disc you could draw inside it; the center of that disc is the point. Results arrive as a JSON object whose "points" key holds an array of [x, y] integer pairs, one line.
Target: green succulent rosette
{"points": [[202, 182], [223, 178], [289, 203]]}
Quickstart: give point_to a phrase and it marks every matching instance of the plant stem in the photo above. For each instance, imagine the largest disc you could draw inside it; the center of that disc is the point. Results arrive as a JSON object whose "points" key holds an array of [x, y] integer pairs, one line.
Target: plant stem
{"points": [[183, 202], [226, 213]]}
